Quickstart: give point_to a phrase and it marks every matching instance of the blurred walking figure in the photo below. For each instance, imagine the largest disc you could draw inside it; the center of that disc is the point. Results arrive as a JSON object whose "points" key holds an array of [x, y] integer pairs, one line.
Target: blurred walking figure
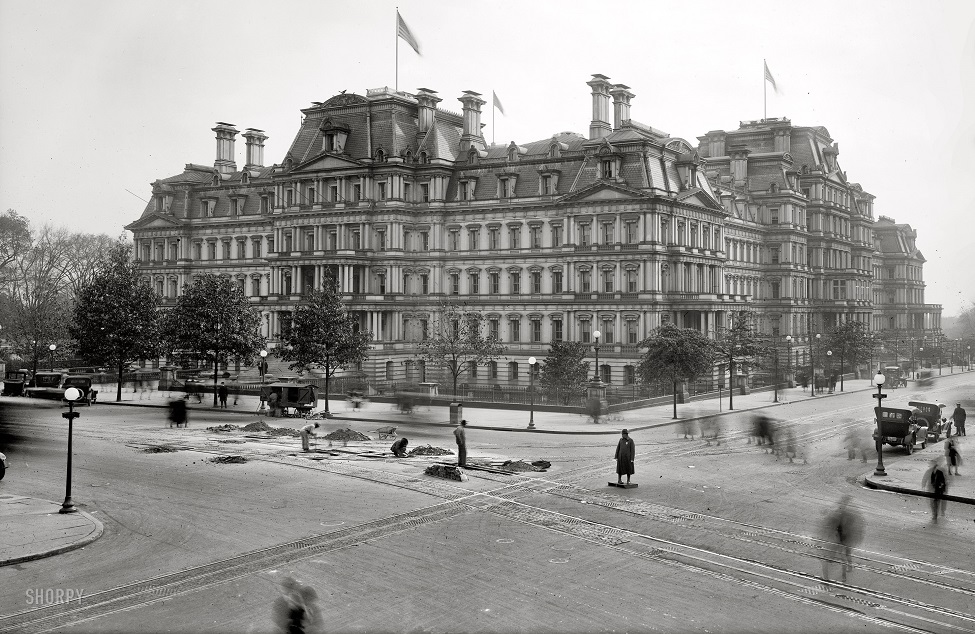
{"points": [[711, 429], [762, 430], [625, 455], [844, 528], [953, 454], [855, 445], [296, 610], [399, 447], [936, 481], [790, 447], [306, 432], [689, 427], [959, 416], [177, 412], [461, 437]]}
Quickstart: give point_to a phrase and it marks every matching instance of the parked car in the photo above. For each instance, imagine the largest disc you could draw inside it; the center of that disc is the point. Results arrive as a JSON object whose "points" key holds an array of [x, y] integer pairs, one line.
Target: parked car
{"points": [[930, 411], [3, 465], [899, 427], [83, 383], [14, 382], [46, 385]]}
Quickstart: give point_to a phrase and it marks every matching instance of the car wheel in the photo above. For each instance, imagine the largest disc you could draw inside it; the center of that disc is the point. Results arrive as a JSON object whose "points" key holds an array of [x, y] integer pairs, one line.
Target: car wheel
{"points": [[3, 470], [924, 445]]}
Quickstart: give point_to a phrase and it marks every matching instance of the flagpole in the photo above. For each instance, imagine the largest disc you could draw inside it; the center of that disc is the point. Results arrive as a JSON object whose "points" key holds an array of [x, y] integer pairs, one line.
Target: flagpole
{"points": [[764, 91], [492, 117], [396, 35]]}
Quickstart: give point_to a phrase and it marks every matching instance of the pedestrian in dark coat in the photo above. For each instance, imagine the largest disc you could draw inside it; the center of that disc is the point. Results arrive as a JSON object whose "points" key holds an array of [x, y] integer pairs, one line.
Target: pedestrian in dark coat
{"points": [[936, 480], [959, 416], [953, 454], [843, 529], [177, 412], [223, 393], [625, 454], [461, 438], [399, 447]]}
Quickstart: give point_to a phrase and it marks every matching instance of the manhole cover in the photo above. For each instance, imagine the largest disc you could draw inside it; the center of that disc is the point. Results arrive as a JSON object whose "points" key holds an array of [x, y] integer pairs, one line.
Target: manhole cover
{"points": [[558, 561], [506, 541]]}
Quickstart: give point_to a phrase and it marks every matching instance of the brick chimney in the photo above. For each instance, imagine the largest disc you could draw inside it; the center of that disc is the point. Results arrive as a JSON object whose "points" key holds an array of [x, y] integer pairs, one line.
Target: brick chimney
{"points": [[600, 126], [621, 104], [427, 101], [255, 148], [472, 119], [226, 134]]}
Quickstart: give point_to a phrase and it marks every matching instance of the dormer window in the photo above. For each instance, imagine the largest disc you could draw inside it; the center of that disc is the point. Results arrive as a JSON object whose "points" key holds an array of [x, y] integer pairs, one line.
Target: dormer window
{"points": [[607, 168], [554, 151], [423, 158], [504, 188], [512, 155], [216, 180], [237, 206], [408, 157], [380, 156], [472, 157], [245, 178], [206, 208], [466, 189], [329, 142]]}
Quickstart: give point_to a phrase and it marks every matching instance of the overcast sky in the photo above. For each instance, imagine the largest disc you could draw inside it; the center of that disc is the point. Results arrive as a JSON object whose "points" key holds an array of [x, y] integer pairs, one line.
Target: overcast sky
{"points": [[99, 97]]}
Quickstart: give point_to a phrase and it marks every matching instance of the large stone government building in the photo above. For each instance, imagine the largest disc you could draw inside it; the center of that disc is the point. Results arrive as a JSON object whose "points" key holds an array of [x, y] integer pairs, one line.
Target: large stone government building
{"points": [[620, 230]]}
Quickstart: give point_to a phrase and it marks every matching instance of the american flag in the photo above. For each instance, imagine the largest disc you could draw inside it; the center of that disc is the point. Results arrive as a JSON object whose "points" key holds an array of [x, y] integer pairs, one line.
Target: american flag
{"points": [[404, 32], [769, 78]]}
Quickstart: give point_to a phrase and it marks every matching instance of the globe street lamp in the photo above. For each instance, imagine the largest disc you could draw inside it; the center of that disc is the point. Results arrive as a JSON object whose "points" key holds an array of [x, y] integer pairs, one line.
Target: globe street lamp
{"points": [[52, 348], [829, 364], [262, 368], [531, 391], [788, 360], [880, 396], [71, 395], [812, 364], [595, 336]]}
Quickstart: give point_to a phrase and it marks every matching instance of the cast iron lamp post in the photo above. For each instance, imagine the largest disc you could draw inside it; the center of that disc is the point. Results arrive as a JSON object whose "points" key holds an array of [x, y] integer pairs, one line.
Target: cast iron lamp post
{"points": [[52, 348], [829, 362], [71, 395], [531, 391], [775, 383], [812, 364], [595, 336], [880, 396], [263, 369], [788, 360]]}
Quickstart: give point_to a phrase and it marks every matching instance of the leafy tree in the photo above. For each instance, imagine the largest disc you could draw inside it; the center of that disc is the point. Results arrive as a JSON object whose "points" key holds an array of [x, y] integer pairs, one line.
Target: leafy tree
{"points": [[457, 341], [850, 343], [564, 372], [115, 319], [675, 354], [212, 321], [738, 345], [321, 331]]}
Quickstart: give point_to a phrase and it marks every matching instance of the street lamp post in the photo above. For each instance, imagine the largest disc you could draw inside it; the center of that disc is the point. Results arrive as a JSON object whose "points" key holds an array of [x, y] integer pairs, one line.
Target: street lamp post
{"points": [[920, 354], [775, 381], [595, 336], [812, 364], [788, 361], [52, 348], [880, 396], [829, 359], [531, 392], [263, 369], [71, 395]]}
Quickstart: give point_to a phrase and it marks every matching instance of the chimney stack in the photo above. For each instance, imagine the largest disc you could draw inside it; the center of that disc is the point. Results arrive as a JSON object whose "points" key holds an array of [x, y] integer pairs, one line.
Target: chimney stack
{"points": [[472, 119], [226, 134], [255, 148], [600, 126], [621, 104], [427, 101]]}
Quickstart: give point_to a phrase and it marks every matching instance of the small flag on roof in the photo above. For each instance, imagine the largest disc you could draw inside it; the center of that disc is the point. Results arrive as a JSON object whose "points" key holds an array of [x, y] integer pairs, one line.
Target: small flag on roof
{"points": [[404, 32], [769, 78], [497, 102]]}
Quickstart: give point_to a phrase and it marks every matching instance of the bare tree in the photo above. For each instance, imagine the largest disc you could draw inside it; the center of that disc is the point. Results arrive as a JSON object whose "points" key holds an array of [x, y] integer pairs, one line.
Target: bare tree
{"points": [[86, 254]]}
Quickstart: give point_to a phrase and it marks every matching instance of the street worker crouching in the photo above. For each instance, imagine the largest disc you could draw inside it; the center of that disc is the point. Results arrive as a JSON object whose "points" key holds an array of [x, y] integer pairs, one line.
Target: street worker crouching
{"points": [[399, 447], [306, 432]]}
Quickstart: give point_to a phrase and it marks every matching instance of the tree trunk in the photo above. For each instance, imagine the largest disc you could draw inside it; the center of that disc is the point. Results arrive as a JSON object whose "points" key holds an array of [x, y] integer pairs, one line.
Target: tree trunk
{"points": [[731, 383], [118, 393], [328, 373], [216, 369], [675, 398]]}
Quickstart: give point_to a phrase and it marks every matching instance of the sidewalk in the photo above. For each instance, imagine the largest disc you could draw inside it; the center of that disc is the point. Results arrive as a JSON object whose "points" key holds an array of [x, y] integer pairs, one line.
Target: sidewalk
{"points": [[906, 474], [31, 529]]}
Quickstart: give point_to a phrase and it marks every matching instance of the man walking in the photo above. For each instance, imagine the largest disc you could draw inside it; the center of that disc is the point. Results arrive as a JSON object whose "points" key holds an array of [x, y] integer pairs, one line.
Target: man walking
{"points": [[844, 530], [959, 417], [625, 455], [306, 432], [461, 438], [223, 392], [936, 480]]}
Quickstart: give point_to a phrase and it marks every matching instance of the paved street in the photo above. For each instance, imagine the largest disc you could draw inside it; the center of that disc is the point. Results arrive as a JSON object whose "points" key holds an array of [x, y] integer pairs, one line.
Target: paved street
{"points": [[717, 538]]}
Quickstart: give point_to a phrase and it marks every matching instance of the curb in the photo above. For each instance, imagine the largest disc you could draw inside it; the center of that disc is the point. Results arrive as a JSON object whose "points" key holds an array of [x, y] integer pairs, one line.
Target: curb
{"points": [[81, 543], [883, 486]]}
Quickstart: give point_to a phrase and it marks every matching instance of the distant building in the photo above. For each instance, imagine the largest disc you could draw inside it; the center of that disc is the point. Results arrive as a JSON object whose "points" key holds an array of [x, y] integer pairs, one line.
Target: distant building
{"points": [[621, 230]]}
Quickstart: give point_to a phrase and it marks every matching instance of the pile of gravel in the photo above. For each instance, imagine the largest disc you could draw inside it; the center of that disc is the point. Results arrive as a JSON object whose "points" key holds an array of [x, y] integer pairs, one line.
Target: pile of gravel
{"points": [[227, 427], [346, 434], [428, 450], [283, 431], [258, 426], [160, 449], [519, 465], [450, 472], [229, 460]]}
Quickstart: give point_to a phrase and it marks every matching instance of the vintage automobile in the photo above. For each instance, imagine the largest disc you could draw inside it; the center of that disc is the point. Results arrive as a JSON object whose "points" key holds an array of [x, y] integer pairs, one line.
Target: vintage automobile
{"points": [[3, 465], [899, 427], [45, 385], [82, 383], [293, 399], [14, 382], [895, 377], [931, 412]]}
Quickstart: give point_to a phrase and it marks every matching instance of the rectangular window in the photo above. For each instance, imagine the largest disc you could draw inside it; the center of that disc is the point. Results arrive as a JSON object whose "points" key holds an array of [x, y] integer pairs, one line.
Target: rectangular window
{"points": [[773, 216], [453, 240], [424, 241], [473, 239], [630, 232], [381, 283], [381, 190], [356, 193], [265, 204], [513, 370], [406, 283], [494, 328], [514, 237], [776, 290], [494, 280], [774, 254], [607, 168], [472, 369], [547, 185], [586, 281], [408, 192], [608, 231], [631, 281], [474, 281], [333, 193], [514, 330], [289, 197], [585, 235], [238, 206], [536, 282], [225, 251], [494, 238], [425, 329], [174, 251], [211, 250], [381, 239], [310, 196], [256, 286], [557, 235], [241, 250], [608, 282], [536, 331], [556, 330], [516, 283], [585, 331], [425, 192], [504, 186], [631, 332], [454, 284], [206, 209], [556, 281], [535, 236], [425, 284]]}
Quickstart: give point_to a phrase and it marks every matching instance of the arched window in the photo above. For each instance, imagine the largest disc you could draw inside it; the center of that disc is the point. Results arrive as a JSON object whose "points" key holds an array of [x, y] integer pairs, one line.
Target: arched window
{"points": [[472, 157], [423, 158], [380, 156]]}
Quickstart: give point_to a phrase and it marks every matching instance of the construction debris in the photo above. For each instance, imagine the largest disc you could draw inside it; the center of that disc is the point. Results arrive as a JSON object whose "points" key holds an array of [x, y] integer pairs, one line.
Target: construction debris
{"points": [[160, 449], [541, 464], [229, 460], [227, 427], [346, 434], [258, 426], [428, 450], [283, 431], [449, 472], [519, 465]]}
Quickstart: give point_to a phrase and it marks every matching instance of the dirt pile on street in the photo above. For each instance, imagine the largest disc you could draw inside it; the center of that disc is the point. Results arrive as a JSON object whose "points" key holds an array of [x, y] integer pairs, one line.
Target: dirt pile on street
{"points": [[428, 450], [258, 426], [519, 465], [227, 427], [346, 434], [449, 472], [229, 460], [160, 449], [283, 431]]}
